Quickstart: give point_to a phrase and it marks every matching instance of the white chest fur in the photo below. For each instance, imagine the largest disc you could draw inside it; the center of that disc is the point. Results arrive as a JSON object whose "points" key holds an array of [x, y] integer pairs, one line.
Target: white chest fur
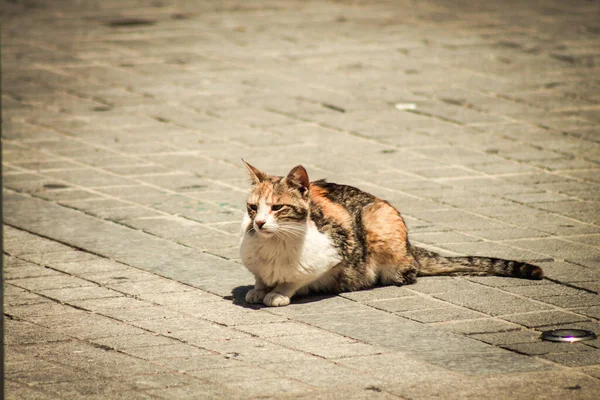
{"points": [[301, 258]]}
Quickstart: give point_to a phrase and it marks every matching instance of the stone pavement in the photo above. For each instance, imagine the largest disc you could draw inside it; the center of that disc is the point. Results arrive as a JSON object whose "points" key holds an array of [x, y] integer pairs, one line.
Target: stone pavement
{"points": [[123, 127]]}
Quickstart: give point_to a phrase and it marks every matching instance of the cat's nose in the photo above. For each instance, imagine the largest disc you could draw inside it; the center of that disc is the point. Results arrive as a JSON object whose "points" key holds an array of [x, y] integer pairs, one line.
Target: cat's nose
{"points": [[260, 223]]}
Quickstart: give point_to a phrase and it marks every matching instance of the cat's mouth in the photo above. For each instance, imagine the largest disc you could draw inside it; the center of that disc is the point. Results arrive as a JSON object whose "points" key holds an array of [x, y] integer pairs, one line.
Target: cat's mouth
{"points": [[263, 231], [265, 234]]}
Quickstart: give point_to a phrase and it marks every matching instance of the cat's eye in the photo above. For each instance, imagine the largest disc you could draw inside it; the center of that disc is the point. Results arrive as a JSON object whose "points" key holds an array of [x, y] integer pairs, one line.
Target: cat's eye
{"points": [[276, 207], [253, 207]]}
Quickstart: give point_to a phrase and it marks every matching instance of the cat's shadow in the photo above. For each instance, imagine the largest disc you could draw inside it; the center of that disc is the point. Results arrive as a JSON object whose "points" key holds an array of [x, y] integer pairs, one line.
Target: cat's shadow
{"points": [[238, 296]]}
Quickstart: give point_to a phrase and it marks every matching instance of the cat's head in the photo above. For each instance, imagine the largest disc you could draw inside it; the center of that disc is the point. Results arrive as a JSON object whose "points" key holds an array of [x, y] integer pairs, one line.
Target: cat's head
{"points": [[278, 206]]}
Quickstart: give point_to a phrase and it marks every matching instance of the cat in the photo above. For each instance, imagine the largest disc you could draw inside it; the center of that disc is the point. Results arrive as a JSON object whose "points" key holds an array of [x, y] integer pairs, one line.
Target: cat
{"points": [[299, 236]]}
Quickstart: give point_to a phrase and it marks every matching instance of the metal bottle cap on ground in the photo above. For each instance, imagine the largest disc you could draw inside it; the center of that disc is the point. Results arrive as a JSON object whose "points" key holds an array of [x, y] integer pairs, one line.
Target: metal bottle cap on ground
{"points": [[568, 335]]}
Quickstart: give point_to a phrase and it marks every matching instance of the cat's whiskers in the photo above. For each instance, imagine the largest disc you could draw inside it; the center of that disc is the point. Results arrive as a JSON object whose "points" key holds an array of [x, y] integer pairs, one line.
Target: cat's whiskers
{"points": [[287, 234], [293, 229]]}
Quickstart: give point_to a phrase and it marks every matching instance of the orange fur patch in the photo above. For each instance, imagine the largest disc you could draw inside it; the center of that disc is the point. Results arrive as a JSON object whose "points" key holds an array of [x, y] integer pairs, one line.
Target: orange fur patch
{"points": [[330, 209], [386, 234]]}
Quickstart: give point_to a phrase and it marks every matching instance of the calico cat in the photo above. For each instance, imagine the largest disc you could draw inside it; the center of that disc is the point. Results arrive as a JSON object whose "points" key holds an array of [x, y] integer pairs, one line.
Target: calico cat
{"points": [[300, 236]]}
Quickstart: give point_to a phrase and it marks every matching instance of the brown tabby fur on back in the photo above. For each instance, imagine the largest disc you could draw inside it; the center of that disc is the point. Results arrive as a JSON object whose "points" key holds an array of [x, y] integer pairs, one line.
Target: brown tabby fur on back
{"points": [[368, 234]]}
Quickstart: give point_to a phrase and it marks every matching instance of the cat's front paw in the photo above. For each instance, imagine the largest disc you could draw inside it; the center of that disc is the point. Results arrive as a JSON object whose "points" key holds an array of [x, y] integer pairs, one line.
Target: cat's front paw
{"points": [[255, 296], [276, 300]]}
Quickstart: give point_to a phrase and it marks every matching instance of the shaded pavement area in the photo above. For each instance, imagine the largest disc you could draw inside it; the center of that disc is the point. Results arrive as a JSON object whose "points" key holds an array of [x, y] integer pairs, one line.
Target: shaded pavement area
{"points": [[123, 127]]}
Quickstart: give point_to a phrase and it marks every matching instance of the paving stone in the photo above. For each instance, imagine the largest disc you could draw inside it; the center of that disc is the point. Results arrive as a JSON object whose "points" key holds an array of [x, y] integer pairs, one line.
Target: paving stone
{"points": [[441, 284], [14, 296], [147, 312], [228, 314], [277, 329], [548, 348], [243, 381], [20, 247], [508, 338], [558, 248], [47, 375], [406, 304], [198, 334], [208, 390], [255, 351], [569, 272], [90, 267], [440, 314], [27, 270], [486, 363], [593, 312], [521, 386], [544, 291], [79, 293], [92, 388], [176, 350], [43, 283], [109, 303], [491, 302], [577, 359], [21, 332], [478, 326], [592, 371], [545, 318], [133, 341], [323, 373], [573, 301], [58, 257], [327, 345], [386, 292], [180, 299]]}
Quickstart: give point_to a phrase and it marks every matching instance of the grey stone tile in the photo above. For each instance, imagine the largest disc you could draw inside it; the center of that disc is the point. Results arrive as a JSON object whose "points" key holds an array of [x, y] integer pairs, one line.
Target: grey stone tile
{"points": [[593, 311], [27, 270], [440, 314], [560, 249], [573, 301], [497, 250], [44, 283], [175, 350], [132, 341], [277, 329], [508, 338], [569, 272], [577, 359], [149, 312], [378, 293], [545, 318], [323, 373], [550, 349], [522, 386], [327, 345], [486, 363], [487, 325], [442, 284], [492, 302], [67, 295], [255, 351], [406, 304], [21, 332], [58, 257], [543, 291]]}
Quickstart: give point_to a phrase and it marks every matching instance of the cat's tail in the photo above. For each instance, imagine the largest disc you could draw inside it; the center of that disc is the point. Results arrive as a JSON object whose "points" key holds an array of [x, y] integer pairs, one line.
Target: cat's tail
{"points": [[434, 264]]}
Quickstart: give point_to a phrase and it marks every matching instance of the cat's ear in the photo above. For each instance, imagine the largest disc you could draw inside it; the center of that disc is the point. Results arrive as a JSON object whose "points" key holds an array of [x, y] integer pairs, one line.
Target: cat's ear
{"points": [[298, 178], [255, 175]]}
